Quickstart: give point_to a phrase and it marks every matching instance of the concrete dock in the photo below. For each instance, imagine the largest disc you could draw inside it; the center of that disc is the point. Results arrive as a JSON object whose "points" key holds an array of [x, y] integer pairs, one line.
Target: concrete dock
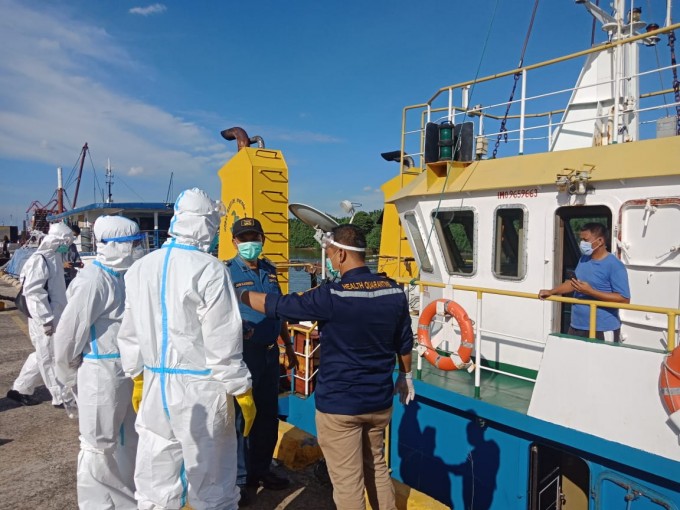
{"points": [[39, 444]]}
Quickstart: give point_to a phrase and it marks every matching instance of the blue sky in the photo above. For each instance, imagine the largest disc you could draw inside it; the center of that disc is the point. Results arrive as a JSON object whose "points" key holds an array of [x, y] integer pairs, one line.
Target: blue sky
{"points": [[151, 85]]}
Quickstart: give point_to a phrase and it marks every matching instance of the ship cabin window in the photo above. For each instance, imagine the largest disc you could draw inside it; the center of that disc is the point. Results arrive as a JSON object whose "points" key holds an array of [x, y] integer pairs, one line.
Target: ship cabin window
{"points": [[418, 244], [456, 233], [509, 257]]}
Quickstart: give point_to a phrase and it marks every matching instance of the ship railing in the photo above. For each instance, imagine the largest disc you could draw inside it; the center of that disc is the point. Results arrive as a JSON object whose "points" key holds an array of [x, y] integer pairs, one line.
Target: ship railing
{"points": [[671, 314], [306, 357], [551, 126], [469, 111]]}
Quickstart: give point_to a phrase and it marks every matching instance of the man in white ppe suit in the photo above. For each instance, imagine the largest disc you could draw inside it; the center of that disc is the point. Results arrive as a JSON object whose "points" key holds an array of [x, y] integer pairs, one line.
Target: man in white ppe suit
{"points": [[182, 330], [89, 328], [45, 292]]}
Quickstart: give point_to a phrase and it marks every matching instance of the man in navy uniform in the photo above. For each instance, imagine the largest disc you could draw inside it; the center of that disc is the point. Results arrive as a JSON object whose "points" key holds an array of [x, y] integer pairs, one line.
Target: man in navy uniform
{"points": [[365, 329], [261, 355]]}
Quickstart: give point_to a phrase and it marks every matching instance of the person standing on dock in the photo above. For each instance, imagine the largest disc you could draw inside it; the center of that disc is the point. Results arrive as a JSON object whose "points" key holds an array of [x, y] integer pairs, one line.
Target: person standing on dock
{"points": [[88, 333], [182, 331], [72, 261], [364, 324], [44, 288], [599, 276], [261, 355]]}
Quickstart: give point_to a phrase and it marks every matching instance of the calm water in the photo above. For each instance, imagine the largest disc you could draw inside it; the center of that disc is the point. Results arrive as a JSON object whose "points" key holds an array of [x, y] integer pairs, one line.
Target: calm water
{"points": [[300, 280]]}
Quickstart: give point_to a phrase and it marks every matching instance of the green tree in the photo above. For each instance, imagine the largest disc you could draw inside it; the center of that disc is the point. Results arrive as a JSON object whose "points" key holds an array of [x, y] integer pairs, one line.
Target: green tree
{"points": [[373, 238], [300, 235], [364, 221]]}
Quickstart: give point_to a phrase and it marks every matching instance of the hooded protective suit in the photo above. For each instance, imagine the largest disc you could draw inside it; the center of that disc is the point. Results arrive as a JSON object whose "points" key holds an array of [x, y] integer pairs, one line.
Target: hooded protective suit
{"points": [[45, 292], [89, 328], [182, 327]]}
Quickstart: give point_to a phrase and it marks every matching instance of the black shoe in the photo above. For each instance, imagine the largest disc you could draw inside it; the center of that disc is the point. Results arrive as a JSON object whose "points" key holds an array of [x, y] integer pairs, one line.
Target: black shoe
{"points": [[245, 496], [271, 481], [24, 400]]}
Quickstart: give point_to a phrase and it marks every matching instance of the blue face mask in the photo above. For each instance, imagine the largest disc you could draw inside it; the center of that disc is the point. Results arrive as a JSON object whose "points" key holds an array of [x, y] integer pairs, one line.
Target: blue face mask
{"points": [[250, 250], [62, 249], [330, 269], [586, 248]]}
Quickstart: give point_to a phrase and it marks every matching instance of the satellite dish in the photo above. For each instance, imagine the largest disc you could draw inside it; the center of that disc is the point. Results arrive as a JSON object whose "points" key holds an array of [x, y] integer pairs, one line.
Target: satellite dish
{"points": [[313, 217]]}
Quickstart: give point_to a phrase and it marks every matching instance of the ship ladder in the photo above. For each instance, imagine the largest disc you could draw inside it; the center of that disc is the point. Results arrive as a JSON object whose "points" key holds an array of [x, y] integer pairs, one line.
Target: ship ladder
{"points": [[467, 339]]}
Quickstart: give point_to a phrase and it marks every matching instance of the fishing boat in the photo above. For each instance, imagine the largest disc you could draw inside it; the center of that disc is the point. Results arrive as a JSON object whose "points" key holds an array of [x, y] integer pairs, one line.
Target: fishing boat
{"points": [[485, 211]]}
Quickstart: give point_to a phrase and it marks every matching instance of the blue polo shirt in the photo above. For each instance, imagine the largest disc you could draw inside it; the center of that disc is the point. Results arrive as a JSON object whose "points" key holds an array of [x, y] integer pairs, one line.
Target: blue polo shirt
{"points": [[606, 275], [364, 322], [266, 330]]}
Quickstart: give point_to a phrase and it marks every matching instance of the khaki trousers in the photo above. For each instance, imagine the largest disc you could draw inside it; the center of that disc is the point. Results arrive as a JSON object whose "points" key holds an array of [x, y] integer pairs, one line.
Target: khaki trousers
{"points": [[353, 449]]}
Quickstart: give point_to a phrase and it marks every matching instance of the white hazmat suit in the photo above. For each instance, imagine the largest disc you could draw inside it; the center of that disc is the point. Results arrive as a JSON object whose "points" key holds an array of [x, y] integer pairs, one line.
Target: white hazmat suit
{"points": [[182, 328], [45, 291], [89, 328]]}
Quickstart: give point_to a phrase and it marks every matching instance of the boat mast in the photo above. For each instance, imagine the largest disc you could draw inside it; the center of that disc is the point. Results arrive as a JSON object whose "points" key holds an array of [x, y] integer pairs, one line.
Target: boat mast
{"points": [[80, 173], [109, 180]]}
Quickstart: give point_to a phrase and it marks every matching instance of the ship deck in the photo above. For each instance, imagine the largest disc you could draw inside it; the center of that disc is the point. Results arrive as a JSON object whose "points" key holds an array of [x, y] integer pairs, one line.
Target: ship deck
{"points": [[498, 389]]}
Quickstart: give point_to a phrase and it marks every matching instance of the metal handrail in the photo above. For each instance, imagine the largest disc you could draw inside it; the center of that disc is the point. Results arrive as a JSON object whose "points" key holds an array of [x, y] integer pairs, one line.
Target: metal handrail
{"points": [[428, 109], [671, 314]]}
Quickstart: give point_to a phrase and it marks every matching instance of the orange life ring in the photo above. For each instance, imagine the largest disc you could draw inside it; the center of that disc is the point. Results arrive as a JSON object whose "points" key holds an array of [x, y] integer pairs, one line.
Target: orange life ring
{"points": [[467, 340], [669, 381]]}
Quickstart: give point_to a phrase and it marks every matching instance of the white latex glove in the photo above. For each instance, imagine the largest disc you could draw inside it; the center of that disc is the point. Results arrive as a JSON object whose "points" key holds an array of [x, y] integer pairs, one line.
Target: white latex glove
{"points": [[404, 387], [48, 328]]}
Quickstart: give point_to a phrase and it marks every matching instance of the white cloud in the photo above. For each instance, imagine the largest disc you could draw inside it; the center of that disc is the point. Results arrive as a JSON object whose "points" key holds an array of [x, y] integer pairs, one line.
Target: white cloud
{"points": [[367, 188], [135, 170], [55, 95], [148, 10]]}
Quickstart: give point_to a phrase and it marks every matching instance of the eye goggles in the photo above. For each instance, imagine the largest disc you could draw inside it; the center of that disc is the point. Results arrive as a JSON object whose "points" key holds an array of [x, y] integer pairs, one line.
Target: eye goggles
{"points": [[135, 239], [326, 239]]}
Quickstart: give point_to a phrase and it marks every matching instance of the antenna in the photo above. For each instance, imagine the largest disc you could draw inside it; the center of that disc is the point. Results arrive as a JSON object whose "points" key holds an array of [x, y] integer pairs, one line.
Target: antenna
{"points": [[170, 192], [348, 207], [109, 179]]}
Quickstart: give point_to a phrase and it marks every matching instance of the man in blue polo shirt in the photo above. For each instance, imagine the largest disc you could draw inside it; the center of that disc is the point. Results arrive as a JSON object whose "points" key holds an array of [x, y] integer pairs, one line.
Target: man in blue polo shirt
{"points": [[261, 355], [599, 276], [364, 326]]}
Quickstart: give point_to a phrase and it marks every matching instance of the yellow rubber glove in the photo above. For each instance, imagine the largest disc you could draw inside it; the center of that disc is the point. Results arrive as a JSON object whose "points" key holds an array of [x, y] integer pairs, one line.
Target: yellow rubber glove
{"points": [[247, 405], [137, 391]]}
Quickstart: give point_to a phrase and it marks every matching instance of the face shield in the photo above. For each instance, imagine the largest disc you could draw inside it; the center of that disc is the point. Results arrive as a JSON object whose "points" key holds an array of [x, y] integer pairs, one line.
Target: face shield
{"points": [[326, 240], [140, 243]]}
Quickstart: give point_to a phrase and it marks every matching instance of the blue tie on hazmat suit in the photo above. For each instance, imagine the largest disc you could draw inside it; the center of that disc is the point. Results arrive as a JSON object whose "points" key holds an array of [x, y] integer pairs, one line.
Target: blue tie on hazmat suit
{"points": [[89, 329], [45, 292], [182, 329]]}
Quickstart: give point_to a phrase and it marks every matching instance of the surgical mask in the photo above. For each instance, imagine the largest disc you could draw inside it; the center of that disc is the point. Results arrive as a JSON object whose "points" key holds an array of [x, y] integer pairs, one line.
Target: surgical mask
{"points": [[62, 249], [213, 243], [330, 269], [586, 248], [250, 250]]}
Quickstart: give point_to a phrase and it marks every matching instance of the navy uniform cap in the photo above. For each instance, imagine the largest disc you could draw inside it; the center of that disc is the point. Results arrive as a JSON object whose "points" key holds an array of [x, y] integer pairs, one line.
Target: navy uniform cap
{"points": [[246, 225]]}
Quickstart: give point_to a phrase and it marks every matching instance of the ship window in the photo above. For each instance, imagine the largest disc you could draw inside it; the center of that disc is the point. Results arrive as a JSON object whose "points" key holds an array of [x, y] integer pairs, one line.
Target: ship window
{"points": [[418, 244], [456, 232], [509, 258]]}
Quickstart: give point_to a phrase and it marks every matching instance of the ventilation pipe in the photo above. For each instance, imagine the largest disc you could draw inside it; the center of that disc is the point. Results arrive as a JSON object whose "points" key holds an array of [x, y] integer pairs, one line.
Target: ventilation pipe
{"points": [[241, 137]]}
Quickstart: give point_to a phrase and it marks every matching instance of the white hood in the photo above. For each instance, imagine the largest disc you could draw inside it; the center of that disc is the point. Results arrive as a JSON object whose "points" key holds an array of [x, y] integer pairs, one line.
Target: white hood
{"points": [[115, 236], [58, 235], [197, 219]]}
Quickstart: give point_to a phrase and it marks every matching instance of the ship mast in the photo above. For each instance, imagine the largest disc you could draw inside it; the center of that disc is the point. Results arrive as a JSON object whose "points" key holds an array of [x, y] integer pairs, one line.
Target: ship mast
{"points": [[109, 180], [80, 172]]}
